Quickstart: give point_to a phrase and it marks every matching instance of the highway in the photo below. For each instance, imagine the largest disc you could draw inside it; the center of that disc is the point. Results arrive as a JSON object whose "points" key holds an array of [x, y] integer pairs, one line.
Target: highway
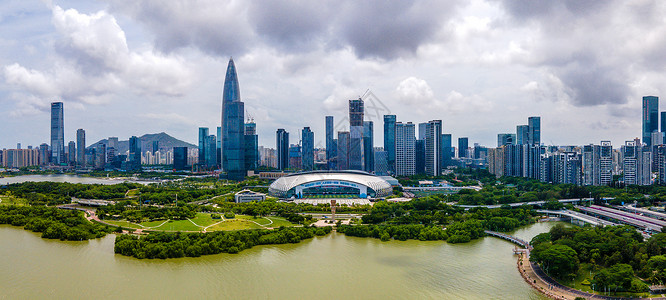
{"points": [[647, 212], [578, 216], [539, 203], [642, 222]]}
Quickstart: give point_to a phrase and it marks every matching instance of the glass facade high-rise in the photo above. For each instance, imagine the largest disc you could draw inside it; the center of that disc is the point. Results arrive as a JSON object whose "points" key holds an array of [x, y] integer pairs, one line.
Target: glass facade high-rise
{"points": [[368, 147], [663, 125], [307, 150], [180, 158], [251, 146], [57, 134], [463, 147], [71, 153], [331, 147], [219, 147], [343, 150], [389, 141], [81, 147], [506, 139], [282, 148], [446, 150], [522, 134], [650, 118], [356, 134], [134, 154], [534, 131], [233, 126], [203, 134]]}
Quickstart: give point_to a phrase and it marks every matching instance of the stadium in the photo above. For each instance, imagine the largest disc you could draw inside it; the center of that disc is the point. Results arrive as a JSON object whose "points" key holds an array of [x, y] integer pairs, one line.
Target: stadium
{"points": [[330, 184]]}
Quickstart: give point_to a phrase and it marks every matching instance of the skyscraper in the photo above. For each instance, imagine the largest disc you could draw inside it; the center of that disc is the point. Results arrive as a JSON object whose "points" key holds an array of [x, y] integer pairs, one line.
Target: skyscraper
{"points": [[210, 152], [446, 150], [251, 146], [57, 134], [282, 148], [71, 153], [219, 147], [307, 158], [233, 126], [331, 151], [606, 163], [405, 140], [156, 147], [134, 154], [179, 158], [433, 146], [463, 147], [389, 141], [203, 134], [81, 147], [522, 134], [356, 134], [506, 139], [343, 150], [650, 118], [419, 157], [368, 147], [534, 130]]}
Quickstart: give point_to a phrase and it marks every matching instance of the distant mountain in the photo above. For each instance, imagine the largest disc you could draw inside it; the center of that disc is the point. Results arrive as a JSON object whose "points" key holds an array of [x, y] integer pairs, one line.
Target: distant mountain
{"points": [[165, 142]]}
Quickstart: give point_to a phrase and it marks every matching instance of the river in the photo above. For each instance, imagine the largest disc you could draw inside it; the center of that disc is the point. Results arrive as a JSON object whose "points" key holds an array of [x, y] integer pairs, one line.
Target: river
{"points": [[330, 267], [64, 178]]}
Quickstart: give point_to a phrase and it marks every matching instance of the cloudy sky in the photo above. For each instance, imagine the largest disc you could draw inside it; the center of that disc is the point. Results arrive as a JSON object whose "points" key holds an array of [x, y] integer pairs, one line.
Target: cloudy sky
{"points": [[130, 67]]}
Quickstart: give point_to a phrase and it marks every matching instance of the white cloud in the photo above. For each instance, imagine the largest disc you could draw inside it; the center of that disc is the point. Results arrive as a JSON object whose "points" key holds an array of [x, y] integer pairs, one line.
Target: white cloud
{"points": [[415, 91], [94, 62]]}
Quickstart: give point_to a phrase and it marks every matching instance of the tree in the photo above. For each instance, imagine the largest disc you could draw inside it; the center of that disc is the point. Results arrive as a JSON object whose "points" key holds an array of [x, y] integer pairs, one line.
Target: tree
{"points": [[557, 260]]}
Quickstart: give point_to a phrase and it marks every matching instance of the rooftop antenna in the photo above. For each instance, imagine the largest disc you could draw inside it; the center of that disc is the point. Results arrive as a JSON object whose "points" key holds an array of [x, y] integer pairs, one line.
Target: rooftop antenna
{"points": [[250, 118], [366, 92]]}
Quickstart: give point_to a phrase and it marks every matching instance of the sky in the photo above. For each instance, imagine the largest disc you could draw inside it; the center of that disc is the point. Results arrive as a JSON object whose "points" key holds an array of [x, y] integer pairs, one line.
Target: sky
{"points": [[131, 67]]}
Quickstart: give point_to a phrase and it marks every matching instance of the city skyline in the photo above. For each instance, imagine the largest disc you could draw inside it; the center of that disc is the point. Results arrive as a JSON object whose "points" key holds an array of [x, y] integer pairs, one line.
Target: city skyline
{"points": [[486, 59]]}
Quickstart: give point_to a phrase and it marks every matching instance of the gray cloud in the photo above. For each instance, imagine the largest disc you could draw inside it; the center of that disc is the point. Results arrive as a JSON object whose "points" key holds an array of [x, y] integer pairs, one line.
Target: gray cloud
{"points": [[291, 25], [373, 29], [392, 29], [216, 27], [588, 46]]}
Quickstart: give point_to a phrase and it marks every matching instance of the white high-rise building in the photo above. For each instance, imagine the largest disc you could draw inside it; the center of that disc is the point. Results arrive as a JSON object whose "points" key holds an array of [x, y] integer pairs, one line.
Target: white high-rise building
{"points": [[405, 138]]}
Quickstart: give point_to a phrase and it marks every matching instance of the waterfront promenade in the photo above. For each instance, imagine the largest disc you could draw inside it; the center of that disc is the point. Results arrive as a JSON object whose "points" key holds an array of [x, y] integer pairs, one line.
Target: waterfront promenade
{"points": [[539, 280]]}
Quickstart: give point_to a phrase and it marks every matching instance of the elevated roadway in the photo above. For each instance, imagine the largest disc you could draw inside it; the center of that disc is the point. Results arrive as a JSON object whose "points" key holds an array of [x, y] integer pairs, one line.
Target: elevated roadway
{"points": [[642, 222], [582, 218], [537, 203]]}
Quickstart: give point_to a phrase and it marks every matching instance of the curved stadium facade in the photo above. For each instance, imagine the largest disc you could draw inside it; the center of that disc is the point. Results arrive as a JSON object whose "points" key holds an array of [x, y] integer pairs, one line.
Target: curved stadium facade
{"points": [[318, 184]]}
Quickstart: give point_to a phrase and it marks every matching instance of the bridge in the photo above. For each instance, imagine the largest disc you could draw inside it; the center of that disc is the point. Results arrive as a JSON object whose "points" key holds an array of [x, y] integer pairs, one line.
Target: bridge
{"points": [[537, 203], [577, 217], [510, 238]]}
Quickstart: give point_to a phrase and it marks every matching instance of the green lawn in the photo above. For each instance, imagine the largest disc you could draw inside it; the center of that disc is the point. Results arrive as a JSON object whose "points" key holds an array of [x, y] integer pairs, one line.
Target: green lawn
{"points": [[204, 220], [11, 200], [132, 193], [240, 222], [123, 223], [179, 225], [234, 224], [278, 221]]}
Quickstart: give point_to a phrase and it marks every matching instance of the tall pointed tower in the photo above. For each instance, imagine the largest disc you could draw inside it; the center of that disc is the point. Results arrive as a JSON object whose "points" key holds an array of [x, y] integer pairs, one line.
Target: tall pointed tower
{"points": [[233, 127]]}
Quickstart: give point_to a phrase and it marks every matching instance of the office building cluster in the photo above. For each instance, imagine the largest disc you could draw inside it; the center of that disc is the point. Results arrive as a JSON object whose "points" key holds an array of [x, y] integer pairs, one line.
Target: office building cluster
{"points": [[637, 162], [351, 146]]}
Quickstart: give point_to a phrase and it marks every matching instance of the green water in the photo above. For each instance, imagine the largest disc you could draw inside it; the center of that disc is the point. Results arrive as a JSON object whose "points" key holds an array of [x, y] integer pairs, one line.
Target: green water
{"points": [[330, 267]]}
